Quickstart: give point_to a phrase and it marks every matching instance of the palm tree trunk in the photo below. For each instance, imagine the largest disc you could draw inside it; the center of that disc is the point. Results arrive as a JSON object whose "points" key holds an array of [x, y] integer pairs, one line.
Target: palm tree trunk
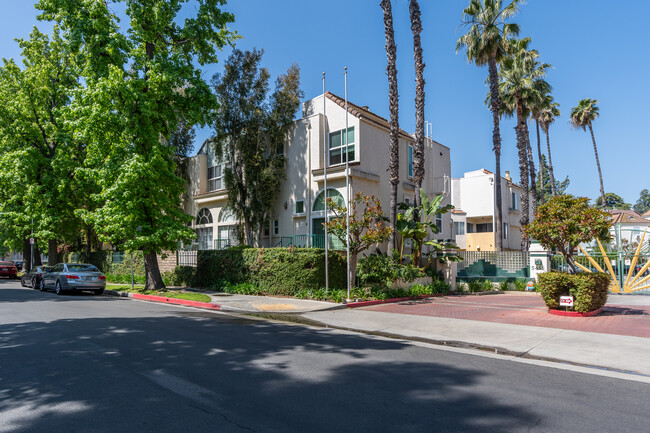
{"points": [[600, 173], [523, 173], [418, 150], [531, 168], [496, 146], [550, 164], [539, 159], [391, 69]]}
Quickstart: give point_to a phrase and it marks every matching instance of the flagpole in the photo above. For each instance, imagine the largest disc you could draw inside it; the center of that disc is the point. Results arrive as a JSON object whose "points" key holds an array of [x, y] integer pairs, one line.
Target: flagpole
{"points": [[347, 184], [327, 281]]}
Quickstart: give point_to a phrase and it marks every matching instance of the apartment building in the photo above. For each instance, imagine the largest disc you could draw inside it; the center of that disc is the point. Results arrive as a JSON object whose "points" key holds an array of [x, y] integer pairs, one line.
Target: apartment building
{"points": [[315, 142], [474, 199]]}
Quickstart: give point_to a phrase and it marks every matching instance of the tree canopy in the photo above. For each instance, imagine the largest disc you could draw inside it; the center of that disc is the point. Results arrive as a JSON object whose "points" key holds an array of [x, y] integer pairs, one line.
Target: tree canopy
{"points": [[613, 201], [642, 205]]}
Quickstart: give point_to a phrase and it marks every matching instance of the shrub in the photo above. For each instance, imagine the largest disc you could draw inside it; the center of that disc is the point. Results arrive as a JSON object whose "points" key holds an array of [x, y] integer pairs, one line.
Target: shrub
{"points": [[589, 290], [520, 284], [180, 276], [474, 286], [381, 270], [504, 286], [487, 286], [273, 271], [461, 287]]}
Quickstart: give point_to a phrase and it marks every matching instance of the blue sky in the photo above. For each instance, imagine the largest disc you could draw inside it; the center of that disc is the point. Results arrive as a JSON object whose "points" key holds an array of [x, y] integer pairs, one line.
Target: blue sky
{"points": [[594, 48]]}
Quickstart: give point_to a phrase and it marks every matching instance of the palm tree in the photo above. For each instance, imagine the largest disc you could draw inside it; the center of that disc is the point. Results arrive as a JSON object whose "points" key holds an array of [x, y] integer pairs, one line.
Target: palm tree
{"points": [[485, 43], [418, 150], [582, 116], [520, 87], [534, 115], [393, 102], [549, 111]]}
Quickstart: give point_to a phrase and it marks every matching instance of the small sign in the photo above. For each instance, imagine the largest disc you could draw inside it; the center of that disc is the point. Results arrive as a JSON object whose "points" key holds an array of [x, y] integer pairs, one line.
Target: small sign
{"points": [[530, 285], [628, 262], [31, 241], [566, 301]]}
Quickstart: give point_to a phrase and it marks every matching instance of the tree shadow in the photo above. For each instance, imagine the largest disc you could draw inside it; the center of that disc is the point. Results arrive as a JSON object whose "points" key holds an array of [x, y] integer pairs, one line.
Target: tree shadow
{"points": [[233, 374]]}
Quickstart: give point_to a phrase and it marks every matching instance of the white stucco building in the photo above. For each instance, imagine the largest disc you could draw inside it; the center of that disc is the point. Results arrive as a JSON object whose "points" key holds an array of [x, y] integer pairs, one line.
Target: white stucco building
{"points": [[298, 209], [474, 199]]}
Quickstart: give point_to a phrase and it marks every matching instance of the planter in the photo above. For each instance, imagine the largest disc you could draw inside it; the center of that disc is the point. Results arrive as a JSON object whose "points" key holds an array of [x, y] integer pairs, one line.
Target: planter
{"points": [[575, 313]]}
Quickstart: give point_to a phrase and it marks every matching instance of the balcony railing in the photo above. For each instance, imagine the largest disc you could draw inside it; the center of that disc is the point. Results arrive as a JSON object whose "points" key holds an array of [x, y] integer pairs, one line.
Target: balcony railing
{"points": [[301, 241]]}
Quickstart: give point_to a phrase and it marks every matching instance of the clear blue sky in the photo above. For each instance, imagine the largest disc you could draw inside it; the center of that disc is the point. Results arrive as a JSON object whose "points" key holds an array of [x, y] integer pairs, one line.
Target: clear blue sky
{"points": [[596, 49]]}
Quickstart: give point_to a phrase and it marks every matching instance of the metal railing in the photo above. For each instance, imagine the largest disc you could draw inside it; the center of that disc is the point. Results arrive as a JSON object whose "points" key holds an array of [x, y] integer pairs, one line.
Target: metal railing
{"points": [[301, 241]]}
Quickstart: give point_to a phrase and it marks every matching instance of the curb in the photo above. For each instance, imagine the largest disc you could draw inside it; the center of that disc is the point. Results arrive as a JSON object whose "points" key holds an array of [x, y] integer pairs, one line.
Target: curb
{"points": [[163, 300], [388, 301], [575, 313]]}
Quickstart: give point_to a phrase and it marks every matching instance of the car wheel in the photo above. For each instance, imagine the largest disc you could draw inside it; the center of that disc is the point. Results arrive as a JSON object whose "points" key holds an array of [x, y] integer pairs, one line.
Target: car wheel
{"points": [[58, 289], [41, 286], [33, 283], [99, 292], [22, 283]]}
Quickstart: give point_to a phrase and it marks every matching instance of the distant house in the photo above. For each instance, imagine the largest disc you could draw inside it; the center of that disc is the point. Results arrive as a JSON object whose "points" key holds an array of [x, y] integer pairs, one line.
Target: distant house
{"points": [[474, 199], [628, 228], [298, 214]]}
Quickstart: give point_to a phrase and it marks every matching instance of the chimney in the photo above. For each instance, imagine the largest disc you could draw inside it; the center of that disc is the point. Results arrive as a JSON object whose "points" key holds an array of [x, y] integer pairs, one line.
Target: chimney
{"points": [[508, 178]]}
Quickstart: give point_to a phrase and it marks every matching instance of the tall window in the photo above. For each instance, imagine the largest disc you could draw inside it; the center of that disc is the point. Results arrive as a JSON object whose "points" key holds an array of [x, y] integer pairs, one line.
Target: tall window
{"points": [[505, 230], [204, 217], [227, 229], [338, 144], [204, 234], [319, 203], [459, 227], [410, 161], [515, 201], [439, 223], [215, 178]]}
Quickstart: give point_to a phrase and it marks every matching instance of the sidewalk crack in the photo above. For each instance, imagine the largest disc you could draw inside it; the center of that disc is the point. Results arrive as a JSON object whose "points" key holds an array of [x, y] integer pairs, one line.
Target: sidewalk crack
{"points": [[523, 354]]}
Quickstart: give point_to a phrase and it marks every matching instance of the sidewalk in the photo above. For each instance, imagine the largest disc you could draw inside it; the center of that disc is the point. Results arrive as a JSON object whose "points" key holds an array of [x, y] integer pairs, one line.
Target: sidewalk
{"points": [[618, 339]]}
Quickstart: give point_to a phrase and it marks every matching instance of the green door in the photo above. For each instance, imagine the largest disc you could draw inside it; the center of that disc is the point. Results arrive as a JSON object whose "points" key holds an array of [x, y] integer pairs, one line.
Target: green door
{"points": [[319, 236]]}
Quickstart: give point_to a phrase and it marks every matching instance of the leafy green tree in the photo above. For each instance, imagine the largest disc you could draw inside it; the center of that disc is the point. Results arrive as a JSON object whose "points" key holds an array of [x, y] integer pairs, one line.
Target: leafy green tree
{"points": [[564, 222], [613, 201], [140, 84], [547, 189], [393, 106], [367, 226], [546, 115], [250, 131], [486, 44], [520, 88], [642, 205], [39, 150], [582, 116]]}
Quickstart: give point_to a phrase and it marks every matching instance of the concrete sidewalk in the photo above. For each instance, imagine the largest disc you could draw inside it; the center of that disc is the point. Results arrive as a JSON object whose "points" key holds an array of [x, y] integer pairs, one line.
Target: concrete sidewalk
{"points": [[268, 304], [616, 352]]}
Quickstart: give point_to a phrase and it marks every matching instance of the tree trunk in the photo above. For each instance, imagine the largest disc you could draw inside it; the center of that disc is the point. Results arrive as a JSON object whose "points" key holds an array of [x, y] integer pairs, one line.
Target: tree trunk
{"points": [[27, 255], [523, 173], [496, 146], [550, 164], [531, 168], [52, 256], [153, 279], [418, 150], [391, 69], [37, 254], [600, 173], [353, 269], [89, 232], [539, 159]]}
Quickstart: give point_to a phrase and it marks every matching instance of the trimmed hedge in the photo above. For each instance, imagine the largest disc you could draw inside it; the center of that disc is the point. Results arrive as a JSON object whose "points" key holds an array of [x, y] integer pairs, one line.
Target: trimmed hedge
{"points": [[276, 271], [589, 290]]}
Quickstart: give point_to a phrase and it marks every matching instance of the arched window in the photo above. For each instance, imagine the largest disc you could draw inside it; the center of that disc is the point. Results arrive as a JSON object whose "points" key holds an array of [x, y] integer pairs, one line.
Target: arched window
{"points": [[204, 216], [319, 203], [227, 216]]}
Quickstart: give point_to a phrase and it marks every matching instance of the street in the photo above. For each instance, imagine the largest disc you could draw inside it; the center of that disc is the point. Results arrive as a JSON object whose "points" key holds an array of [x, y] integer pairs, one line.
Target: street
{"points": [[83, 363]]}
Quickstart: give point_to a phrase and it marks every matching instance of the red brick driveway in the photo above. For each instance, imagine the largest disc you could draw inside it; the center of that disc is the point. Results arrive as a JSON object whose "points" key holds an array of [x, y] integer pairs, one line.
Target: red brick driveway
{"points": [[525, 309]]}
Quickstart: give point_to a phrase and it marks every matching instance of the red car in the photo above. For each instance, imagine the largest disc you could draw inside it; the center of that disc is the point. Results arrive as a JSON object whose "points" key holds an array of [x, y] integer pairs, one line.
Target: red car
{"points": [[8, 269]]}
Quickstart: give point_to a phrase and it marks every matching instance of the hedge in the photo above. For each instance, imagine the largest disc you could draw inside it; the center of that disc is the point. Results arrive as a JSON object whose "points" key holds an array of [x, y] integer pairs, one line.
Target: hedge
{"points": [[589, 290], [277, 271]]}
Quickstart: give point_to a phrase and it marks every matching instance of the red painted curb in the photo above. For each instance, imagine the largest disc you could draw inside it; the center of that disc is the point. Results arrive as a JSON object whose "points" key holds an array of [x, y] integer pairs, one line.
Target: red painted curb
{"points": [[575, 313], [185, 302], [387, 301]]}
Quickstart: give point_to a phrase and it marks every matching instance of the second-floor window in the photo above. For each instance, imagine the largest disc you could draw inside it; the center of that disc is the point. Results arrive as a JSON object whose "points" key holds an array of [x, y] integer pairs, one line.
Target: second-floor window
{"points": [[337, 154], [459, 228], [215, 178], [410, 161], [515, 201]]}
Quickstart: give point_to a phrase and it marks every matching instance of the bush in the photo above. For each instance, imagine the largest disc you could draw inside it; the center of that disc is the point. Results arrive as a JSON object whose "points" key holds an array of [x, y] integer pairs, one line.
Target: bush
{"points": [[273, 271], [487, 286], [520, 284], [589, 290], [180, 276], [382, 271], [504, 286], [474, 286]]}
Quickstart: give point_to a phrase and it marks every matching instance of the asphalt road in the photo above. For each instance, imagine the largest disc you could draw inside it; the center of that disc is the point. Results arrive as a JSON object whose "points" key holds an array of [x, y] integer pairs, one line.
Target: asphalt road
{"points": [[82, 363]]}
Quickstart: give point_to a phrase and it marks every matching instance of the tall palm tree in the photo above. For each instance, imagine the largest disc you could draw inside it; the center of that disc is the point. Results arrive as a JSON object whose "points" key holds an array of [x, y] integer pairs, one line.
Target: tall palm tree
{"points": [[549, 111], [486, 43], [393, 102], [582, 116], [534, 115], [520, 87], [418, 150]]}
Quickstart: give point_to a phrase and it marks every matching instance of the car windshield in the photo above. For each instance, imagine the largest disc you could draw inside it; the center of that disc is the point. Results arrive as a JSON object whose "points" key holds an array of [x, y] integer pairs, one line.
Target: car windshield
{"points": [[81, 268]]}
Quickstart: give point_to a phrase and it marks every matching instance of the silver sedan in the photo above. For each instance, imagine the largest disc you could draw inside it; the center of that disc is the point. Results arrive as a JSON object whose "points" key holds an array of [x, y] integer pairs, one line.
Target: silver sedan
{"points": [[74, 276]]}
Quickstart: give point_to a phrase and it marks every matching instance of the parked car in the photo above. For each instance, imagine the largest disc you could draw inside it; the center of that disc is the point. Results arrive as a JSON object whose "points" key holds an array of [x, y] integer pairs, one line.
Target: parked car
{"points": [[8, 269], [19, 265], [33, 278], [73, 276]]}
